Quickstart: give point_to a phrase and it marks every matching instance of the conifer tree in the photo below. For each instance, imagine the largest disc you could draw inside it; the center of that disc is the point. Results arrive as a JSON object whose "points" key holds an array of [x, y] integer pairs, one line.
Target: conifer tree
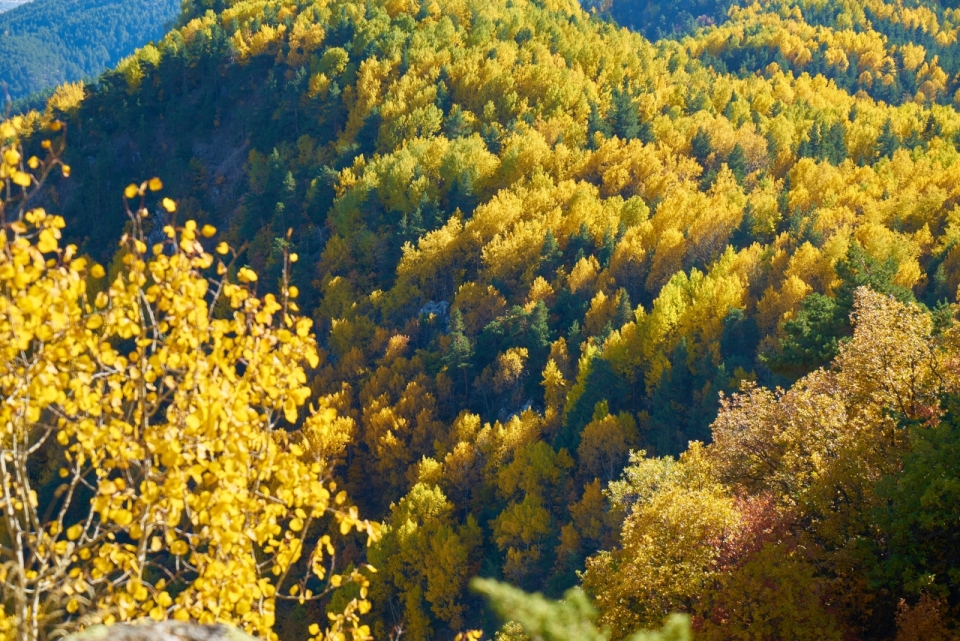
{"points": [[539, 329], [550, 253], [456, 125], [835, 143], [624, 313], [932, 128], [737, 161], [625, 118], [460, 349], [700, 145], [887, 142], [607, 247], [596, 124]]}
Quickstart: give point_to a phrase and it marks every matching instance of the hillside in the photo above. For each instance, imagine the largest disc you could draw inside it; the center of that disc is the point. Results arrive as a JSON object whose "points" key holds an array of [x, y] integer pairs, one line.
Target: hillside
{"points": [[48, 42], [533, 242]]}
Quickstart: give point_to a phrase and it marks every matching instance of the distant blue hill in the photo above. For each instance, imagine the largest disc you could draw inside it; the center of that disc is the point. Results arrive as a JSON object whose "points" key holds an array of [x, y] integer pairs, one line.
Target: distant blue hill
{"points": [[6, 5], [48, 42]]}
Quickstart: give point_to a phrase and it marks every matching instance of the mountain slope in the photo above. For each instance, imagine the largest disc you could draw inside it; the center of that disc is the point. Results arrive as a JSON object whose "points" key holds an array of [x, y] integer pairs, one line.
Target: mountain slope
{"points": [[48, 42], [532, 242]]}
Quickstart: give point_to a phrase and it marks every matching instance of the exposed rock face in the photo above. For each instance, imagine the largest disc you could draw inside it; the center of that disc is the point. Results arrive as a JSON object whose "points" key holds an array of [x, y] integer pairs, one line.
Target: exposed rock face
{"points": [[163, 631]]}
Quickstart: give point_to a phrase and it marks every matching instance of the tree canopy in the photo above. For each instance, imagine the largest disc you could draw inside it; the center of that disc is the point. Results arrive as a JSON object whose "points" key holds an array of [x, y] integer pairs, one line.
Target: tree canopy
{"points": [[671, 321]]}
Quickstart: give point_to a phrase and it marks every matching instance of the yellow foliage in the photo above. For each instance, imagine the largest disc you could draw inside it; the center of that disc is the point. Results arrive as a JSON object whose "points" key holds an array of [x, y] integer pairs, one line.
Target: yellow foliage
{"points": [[602, 308], [604, 445], [777, 306], [510, 369], [130, 68], [801, 445], [305, 38], [262, 41], [667, 555], [688, 307], [484, 128], [554, 385], [178, 433], [66, 98], [913, 56], [540, 290], [584, 274]]}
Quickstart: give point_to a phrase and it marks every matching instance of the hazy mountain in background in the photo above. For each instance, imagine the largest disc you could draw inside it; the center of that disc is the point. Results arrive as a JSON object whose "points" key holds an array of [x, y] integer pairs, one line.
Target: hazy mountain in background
{"points": [[6, 5], [48, 42]]}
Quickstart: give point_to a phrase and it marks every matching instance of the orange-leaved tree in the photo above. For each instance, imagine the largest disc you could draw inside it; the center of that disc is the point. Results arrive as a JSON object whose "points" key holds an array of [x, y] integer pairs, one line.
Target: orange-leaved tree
{"points": [[151, 459]]}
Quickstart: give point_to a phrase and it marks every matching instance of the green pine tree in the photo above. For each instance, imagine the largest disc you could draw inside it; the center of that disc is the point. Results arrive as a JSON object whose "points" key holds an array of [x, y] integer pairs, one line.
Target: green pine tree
{"points": [[460, 349], [550, 253], [455, 125], [887, 142], [596, 124], [737, 162], [539, 329], [625, 117], [701, 146], [931, 129], [607, 247], [835, 143]]}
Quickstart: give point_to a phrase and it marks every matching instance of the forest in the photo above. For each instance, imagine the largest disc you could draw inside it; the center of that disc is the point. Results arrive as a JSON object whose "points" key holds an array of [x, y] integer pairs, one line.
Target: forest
{"points": [[44, 43], [649, 308]]}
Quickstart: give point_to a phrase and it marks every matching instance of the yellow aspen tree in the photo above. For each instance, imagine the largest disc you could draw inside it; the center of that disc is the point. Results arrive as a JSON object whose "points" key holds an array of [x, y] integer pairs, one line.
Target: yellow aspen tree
{"points": [[604, 445], [424, 551], [669, 543], [184, 490], [554, 385]]}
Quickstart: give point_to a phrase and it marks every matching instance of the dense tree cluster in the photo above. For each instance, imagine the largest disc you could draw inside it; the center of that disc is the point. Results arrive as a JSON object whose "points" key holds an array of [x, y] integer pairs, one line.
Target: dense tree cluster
{"points": [[671, 321]]}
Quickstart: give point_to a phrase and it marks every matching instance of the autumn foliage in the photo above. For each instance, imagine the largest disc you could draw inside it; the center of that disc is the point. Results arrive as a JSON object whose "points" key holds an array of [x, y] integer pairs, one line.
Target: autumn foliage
{"points": [[145, 466], [672, 322]]}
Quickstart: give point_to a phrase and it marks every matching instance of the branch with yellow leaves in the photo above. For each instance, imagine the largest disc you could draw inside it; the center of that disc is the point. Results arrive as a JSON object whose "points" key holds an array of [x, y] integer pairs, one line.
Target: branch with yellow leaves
{"points": [[181, 493]]}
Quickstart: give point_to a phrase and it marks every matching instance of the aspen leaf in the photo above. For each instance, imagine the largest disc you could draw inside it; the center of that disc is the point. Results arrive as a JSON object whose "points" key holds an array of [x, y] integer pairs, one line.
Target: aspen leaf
{"points": [[11, 156], [22, 179], [47, 242]]}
